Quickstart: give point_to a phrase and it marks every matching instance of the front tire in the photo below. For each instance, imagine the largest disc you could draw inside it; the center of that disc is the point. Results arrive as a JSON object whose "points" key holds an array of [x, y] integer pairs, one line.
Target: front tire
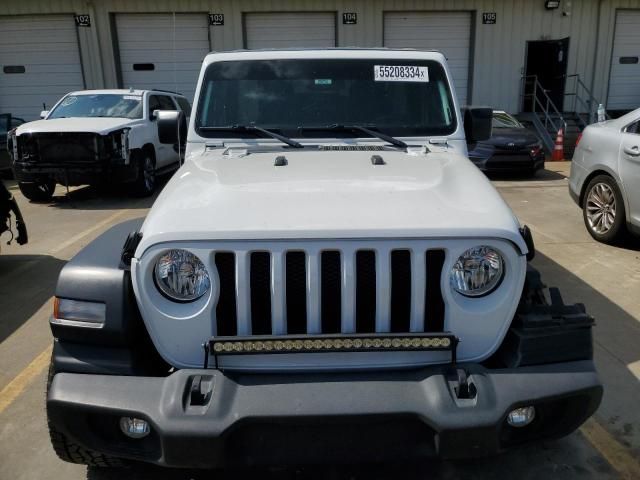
{"points": [[38, 191], [71, 452], [603, 210], [145, 183]]}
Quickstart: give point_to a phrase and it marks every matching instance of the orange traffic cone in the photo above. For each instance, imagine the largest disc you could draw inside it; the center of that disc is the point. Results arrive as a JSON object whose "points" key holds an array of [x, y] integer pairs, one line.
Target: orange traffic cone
{"points": [[558, 149]]}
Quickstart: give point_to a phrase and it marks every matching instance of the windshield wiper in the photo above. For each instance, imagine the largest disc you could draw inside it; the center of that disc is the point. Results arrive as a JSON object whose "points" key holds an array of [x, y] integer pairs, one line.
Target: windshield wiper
{"points": [[253, 128], [360, 128]]}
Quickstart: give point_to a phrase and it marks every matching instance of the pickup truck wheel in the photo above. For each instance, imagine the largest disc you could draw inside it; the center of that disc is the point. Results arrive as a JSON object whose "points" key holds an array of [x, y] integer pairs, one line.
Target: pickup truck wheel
{"points": [[72, 452], [38, 191], [145, 183], [603, 210]]}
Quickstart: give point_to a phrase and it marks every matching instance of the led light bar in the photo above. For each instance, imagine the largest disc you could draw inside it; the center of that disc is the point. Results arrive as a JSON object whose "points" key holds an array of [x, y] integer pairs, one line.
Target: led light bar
{"points": [[267, 344]]}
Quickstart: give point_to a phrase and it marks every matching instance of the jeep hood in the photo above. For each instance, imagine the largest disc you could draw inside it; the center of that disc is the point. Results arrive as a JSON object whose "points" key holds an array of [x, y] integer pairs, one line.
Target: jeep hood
{"points": [[328, 194], [101, 125]]}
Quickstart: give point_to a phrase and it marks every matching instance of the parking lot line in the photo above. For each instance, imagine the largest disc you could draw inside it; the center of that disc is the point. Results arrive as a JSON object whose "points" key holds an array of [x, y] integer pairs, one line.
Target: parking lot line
{"points": [[25, 266], [24, 378], [88, 231], [615, 453], [635, 368]]}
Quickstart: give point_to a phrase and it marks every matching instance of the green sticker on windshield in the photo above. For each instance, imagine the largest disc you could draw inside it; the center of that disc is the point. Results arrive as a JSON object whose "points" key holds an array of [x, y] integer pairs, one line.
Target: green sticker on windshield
{"points": [[323, 81]]}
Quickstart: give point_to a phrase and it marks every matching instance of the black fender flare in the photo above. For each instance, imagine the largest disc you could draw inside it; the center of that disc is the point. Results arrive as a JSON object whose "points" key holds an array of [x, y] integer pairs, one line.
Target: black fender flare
{"points": [[96, 274]]}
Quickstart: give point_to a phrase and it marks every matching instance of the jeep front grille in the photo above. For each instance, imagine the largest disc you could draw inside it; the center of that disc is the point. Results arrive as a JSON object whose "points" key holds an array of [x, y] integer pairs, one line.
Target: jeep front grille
{"points": [[329, 291]]}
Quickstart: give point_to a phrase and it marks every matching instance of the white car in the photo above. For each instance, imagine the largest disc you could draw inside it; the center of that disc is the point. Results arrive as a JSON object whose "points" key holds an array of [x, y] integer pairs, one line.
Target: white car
{"points": [[93, 137], [605, 177], [327, 277]]}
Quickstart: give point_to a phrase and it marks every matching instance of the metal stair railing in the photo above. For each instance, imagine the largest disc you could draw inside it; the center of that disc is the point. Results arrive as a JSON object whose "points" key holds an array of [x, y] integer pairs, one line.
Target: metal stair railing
{"points": [[547, 118], [584, 97]]}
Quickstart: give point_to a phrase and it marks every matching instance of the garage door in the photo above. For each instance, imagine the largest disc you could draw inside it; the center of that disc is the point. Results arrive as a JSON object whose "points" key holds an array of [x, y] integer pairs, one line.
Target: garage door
{"points": [[624, 82], [286, 30], [447, 32], [162, 51], [40, 62]]}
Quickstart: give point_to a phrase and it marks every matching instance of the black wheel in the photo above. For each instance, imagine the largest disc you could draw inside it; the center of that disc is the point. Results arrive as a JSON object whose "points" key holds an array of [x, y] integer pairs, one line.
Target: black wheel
{"points": [[38, 191], [603, 210], [145, 183], [72, 452]]}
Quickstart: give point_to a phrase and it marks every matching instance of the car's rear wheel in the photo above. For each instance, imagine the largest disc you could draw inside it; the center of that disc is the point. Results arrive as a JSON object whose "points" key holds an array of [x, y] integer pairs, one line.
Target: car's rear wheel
{"points": [[71, 452], [41, 191], [603, 210], [145, 183]]}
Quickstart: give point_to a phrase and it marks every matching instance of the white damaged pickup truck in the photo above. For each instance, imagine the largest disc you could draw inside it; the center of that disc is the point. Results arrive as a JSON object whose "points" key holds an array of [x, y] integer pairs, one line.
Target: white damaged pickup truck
{"points": [[326, 278]]}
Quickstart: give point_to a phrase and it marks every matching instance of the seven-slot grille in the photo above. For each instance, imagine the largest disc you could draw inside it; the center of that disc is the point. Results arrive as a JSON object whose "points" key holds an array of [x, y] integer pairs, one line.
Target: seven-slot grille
{"points": [[329, 291]]}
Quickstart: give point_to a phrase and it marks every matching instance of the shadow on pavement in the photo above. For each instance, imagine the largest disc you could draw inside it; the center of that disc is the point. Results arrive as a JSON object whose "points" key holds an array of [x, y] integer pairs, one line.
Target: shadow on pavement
{"points": [[630, 242], [26, 284], [616, 346], [540, 176], [106, 197]]}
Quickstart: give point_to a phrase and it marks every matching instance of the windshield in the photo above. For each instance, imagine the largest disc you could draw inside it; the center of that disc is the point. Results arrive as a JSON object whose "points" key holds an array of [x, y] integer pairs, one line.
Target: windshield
{"points": [[504, 120], [99, 105], [397, 97]]}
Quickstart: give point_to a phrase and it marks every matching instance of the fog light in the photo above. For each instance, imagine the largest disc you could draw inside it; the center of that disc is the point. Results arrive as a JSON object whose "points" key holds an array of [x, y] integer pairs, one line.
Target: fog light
{"points": [[521, 417], [134, 427]]}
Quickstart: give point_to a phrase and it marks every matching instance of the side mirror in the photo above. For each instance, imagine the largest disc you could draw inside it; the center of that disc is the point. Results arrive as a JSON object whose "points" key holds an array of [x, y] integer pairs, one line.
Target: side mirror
{"points": [[477, 123], [44, 113], [172, 126]]}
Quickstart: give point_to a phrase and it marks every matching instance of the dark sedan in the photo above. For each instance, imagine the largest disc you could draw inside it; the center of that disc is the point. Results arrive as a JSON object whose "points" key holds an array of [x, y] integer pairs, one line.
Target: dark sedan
{"points": [[512, 148]]}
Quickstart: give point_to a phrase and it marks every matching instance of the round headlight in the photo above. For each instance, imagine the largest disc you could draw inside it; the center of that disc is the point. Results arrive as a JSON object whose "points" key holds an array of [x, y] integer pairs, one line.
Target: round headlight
{"points": [[181, 276], [477, 272]]}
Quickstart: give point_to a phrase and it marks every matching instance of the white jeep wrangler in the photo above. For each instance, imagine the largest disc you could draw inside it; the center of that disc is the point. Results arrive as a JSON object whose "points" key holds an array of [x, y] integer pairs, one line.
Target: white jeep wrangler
{"points": [[96, 137], [327, 278]]}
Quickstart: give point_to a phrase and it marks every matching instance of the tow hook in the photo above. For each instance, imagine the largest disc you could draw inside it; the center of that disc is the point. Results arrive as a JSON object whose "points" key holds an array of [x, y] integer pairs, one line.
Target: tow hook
{"points": [[462, 386], [200, 390]]}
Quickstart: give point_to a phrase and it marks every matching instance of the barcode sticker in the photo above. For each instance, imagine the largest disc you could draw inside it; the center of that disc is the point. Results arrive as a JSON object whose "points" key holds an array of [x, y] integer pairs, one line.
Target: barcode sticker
{"points": [[400, 73]]}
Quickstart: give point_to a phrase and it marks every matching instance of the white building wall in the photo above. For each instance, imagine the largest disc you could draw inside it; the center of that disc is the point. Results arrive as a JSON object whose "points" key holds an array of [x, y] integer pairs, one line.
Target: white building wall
{"points": [[498, 51], [624, 78], [604, 48]]}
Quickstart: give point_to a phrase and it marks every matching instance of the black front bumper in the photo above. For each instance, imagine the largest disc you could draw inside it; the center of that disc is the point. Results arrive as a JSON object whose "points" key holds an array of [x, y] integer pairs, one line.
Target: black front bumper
{"points": [[76, 172], [294, 418]]}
